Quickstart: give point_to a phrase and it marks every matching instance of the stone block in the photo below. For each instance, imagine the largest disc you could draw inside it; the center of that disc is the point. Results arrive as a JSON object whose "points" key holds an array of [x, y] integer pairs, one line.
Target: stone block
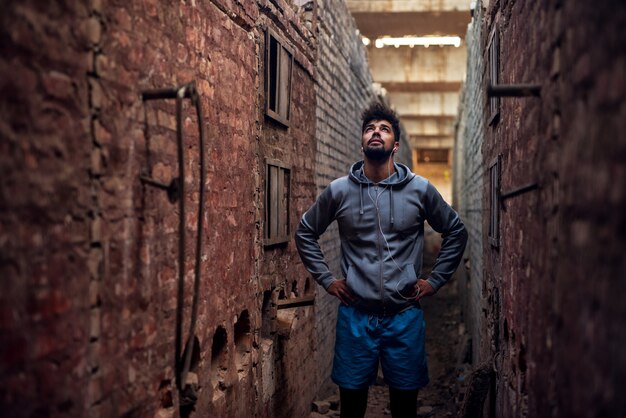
{"points": [[321, 407]]}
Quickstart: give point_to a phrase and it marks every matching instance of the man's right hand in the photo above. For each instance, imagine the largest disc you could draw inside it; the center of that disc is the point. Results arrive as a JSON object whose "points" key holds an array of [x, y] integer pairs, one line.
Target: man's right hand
{"points": [[339, 288]]}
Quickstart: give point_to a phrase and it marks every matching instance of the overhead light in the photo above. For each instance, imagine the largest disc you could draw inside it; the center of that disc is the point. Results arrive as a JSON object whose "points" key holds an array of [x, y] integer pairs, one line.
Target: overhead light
{"points": [[366, 41], [425, 41]]}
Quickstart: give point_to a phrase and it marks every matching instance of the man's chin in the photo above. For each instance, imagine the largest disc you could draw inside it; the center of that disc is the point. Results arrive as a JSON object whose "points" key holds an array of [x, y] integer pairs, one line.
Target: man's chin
{"points": [[377, 154]]}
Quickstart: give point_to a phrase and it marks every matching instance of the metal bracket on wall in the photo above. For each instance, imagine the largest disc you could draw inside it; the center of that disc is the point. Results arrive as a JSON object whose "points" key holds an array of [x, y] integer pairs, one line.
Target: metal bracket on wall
{"points": [[518, 191], [176, 192], [296, 302], [513, 90], [171, 189]]}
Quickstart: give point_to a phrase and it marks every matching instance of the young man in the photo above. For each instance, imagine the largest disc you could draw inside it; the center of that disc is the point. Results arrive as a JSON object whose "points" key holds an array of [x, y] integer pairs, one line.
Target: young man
{"points": [[380, 208]]}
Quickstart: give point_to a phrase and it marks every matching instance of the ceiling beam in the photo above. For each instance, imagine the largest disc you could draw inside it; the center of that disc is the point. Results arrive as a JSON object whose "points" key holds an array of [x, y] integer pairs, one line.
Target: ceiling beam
{"points": [[426, 118], [378, 24], [421, 86]]}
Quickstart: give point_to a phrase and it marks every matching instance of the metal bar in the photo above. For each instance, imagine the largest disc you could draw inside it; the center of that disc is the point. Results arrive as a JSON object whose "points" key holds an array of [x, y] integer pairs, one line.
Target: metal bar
{"points": [[155, 183], [181, 236], [518, 191], [199, 234], [296, 302], [513, 90], [158, 94], [175, 189]]}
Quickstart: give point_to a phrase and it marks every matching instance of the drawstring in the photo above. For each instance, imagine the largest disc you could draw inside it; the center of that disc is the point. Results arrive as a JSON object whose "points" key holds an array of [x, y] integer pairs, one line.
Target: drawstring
{"points": [[391, 207], [361, 196], [391, 203]]}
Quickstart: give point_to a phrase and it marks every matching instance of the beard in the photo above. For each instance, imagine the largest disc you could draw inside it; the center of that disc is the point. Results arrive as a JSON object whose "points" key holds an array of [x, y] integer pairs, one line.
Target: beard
{"points": [[377, 154]]}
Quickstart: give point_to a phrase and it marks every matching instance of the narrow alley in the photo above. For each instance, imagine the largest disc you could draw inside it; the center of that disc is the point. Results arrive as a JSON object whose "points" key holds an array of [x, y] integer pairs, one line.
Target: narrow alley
{"points": [[156, 158]]}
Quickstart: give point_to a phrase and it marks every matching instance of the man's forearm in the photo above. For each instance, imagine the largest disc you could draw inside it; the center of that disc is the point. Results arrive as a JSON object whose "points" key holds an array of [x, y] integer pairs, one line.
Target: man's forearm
{"points": [[449, 256], [312, 256]]}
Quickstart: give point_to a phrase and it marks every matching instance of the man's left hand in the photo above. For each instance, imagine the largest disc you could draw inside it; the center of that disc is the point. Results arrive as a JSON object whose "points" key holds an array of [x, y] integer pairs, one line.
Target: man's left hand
{"points": [[423, 289]]}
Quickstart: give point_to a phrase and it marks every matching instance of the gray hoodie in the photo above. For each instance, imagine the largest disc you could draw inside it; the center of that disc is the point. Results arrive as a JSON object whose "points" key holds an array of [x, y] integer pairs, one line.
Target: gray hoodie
{"points": [[381, 227]]}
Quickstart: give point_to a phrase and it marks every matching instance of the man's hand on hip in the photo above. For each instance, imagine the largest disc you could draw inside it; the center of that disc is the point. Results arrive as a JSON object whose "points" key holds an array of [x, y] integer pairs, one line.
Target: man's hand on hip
{"points": [[339, 288], [423, 289]]}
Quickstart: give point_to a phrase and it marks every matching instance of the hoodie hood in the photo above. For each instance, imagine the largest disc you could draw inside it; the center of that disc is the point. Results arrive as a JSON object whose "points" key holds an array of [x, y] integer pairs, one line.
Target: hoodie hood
{"points": [[399, 178]]}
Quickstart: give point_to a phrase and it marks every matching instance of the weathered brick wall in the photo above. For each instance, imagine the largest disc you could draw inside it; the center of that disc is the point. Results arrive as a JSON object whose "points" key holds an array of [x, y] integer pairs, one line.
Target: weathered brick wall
{"points": [[469, 188], [550, 286], [281, 272], [587, 121], [45, 209], [89, 253]]}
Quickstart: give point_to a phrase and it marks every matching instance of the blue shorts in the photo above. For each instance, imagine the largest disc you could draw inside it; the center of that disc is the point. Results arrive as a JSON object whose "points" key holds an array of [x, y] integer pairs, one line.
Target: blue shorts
{"points": [[396, 341]]}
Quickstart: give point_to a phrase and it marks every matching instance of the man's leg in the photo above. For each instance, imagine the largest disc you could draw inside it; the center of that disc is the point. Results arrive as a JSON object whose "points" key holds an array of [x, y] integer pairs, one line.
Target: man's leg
{"points": [[403, 358], [356, 360], [353, 402], [403, 403]]}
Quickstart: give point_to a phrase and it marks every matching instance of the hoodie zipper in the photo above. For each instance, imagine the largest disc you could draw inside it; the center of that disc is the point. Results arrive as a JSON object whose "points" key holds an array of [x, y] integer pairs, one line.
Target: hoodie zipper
{"points": [[380, 251]]}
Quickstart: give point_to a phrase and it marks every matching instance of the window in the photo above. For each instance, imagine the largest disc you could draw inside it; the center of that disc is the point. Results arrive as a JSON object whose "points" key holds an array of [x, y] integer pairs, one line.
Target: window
{"points": [[494, 204], [277, 194], [278, 64], [494, 74]]}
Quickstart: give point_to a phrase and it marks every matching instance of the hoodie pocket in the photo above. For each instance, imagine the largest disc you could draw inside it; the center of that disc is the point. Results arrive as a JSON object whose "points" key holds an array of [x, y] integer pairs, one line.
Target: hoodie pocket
{"points": [[405, 287], [362, 284]]}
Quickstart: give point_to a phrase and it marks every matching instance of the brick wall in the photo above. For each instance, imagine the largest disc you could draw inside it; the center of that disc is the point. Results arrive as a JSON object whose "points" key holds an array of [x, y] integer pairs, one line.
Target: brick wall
{"points": [[90, 254], [468, 186], [550, 287], [46, 204]]}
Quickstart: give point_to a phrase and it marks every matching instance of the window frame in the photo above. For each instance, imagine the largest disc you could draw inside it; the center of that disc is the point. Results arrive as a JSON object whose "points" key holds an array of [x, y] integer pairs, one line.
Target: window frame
{"points": [[493, 51], [279, 112], [494, 202], [275, 229]]}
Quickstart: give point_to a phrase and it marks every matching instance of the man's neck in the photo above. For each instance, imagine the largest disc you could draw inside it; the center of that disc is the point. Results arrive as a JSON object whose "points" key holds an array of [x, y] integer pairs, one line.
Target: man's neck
{"points": [[377, 171]]}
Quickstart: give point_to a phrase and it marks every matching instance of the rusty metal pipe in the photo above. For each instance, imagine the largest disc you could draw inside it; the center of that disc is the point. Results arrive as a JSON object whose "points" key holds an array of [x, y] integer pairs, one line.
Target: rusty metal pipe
{"points": [[180, 95], [177, 187], [196, 285]]}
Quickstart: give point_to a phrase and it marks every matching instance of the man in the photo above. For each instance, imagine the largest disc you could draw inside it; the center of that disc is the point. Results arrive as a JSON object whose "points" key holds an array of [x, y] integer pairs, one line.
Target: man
{"points": [[380, 208]]}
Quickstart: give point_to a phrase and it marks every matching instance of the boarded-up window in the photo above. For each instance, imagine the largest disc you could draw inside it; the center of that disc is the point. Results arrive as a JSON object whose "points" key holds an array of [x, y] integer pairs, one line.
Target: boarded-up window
{"points": [[494, 74], [277, 194], [494, 204], [279, 63]]}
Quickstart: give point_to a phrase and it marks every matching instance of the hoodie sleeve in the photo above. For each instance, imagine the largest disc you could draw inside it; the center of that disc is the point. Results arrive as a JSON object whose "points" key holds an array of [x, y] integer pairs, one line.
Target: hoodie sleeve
{"points": [[313, 224], [447, 222]]}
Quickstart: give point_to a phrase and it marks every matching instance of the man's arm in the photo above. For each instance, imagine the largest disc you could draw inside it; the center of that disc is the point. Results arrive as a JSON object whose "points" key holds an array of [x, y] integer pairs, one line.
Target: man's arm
{"points": [[447, 222], [313, 224]]}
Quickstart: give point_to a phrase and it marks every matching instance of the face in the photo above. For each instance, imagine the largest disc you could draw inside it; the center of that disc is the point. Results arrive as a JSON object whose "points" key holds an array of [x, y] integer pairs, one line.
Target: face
{"points": [[378, 139]]}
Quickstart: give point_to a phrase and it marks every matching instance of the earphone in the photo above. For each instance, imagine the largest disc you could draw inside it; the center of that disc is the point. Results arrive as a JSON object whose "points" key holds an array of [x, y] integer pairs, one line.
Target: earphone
{"points": [[382, 233]]}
